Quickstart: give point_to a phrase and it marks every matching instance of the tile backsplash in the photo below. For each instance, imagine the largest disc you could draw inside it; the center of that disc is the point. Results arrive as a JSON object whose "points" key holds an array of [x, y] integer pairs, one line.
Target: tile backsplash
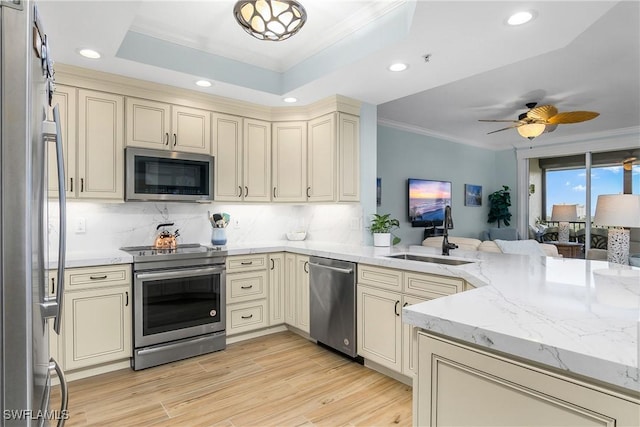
{"points": [[111, 226]]}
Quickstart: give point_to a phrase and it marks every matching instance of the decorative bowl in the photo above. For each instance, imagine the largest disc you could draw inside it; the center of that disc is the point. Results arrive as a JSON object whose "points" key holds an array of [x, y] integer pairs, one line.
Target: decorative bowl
{"points": [[296, 235]]}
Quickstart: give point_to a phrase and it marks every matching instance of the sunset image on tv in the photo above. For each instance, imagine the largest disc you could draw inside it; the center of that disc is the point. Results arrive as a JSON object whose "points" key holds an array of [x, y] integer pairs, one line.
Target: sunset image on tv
{"points": [[427, 200]]}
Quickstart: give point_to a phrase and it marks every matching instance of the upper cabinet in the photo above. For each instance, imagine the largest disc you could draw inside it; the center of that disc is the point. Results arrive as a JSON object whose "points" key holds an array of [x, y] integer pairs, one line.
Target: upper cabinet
{"points": [[65, 97], [348, 158], [158, 125], [242, 153], [100, 155], [317, 161], [289, 164]]}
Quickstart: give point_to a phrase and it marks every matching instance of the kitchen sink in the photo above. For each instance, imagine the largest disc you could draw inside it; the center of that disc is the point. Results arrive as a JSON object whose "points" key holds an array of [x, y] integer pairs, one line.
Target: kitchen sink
{"points": [[421, 258]]}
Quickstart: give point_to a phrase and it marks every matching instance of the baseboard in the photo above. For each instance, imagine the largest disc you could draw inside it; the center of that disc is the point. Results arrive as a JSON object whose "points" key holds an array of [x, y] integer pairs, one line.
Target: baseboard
{"points": [[389, 372], [255, 334]]}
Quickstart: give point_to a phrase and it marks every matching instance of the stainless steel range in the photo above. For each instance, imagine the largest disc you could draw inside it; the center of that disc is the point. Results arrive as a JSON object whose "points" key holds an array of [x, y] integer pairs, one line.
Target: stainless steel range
{"points": [[178, 303]]}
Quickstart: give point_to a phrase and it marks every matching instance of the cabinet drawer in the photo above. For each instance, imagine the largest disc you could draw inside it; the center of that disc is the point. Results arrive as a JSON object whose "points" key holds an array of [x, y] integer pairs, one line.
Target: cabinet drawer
{"points": [[380, 277], [247, 316], [92, 277], [246, 263], [430, 285], [246, 286]]}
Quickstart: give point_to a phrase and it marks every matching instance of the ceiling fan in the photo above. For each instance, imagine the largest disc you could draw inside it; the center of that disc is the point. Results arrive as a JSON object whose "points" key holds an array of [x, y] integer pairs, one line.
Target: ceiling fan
{"points": [[545, 117]]}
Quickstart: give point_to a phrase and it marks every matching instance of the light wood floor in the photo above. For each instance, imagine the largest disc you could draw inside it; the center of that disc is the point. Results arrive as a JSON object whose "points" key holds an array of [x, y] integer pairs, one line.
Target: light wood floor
{"points": [[277, 380]]}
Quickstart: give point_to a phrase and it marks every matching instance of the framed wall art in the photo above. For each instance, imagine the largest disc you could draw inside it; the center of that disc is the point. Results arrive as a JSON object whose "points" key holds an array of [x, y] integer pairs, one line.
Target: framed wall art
{"points": [[472, 195]]}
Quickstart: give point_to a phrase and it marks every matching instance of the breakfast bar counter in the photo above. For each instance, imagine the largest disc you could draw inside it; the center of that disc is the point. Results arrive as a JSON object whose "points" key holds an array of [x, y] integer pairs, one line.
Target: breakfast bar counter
{"points": [[577, 316]]}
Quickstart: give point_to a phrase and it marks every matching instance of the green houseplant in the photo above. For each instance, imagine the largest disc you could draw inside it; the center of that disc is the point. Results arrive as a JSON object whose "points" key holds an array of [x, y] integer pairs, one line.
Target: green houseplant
{"points": [[499, 210], [381, 227]]}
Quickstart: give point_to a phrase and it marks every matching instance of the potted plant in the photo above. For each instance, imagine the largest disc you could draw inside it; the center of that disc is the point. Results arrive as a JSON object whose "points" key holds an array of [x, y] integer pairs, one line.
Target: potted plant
{"points": [[499, 211], [381, 226]]}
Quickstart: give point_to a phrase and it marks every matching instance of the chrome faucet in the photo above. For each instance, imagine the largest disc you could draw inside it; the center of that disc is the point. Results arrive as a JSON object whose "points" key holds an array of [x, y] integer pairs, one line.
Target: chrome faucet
{"points": [[448, 223]]}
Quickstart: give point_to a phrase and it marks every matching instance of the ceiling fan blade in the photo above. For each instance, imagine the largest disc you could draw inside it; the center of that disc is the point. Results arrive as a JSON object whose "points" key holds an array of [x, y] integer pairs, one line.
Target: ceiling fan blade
{"points": [[505, 121], [550, 128], [543, 112], [572, 117], [500, 130]]}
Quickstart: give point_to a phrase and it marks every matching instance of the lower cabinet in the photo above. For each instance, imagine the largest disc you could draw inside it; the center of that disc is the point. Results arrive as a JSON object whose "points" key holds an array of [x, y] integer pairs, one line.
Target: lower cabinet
{"points": [[382, 293], [276, 289], [380, 326], [96, 317], [462, 385], [97, 326], [247, 293], [296, 292]]}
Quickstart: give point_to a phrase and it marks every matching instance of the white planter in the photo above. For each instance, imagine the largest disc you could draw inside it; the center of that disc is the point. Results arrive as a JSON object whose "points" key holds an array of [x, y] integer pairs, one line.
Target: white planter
{"points": [[381, 239]]}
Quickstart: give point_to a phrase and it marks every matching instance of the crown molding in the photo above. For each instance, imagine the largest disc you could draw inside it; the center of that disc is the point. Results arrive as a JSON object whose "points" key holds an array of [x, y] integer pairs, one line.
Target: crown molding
{"points": [[127, 86], [427, 132]]}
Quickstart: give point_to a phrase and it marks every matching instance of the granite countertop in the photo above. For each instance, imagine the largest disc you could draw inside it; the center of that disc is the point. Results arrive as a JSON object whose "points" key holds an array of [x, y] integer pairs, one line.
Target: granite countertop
{"points": [[575, 315]]}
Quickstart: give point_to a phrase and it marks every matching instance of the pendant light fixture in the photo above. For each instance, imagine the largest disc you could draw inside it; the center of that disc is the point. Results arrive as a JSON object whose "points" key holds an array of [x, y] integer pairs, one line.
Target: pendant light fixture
{"points": [[273, 20]]}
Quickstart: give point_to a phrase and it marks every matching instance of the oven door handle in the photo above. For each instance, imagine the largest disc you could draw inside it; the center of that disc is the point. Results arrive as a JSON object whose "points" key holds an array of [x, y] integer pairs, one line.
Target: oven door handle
{"points": [[180, 273]]}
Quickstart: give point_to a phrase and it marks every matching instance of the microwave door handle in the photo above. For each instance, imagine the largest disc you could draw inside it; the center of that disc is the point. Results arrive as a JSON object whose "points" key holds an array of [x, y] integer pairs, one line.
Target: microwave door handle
{"points": [[53, 307]]}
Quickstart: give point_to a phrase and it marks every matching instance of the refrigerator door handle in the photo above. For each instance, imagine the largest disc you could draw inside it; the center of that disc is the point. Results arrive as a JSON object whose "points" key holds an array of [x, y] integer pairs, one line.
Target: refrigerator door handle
{"points": [[64, 394], [53, 308]]}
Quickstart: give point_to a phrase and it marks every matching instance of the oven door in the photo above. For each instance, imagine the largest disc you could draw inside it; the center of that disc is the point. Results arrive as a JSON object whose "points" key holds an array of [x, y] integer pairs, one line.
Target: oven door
{"points": [[179, 303]]}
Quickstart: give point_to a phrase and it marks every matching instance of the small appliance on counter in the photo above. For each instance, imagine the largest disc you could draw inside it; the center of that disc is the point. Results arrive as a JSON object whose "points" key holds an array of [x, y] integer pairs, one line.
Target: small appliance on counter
{"points": [[166, 239]]}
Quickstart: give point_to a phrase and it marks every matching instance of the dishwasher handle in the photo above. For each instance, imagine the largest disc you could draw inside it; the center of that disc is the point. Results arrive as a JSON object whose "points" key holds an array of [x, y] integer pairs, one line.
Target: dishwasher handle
{"points": [[337, 269]]}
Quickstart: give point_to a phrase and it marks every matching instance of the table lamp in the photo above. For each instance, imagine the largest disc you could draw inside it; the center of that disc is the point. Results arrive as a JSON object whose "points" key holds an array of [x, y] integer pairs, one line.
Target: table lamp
{"points": [[618, 210], [564, 214]]}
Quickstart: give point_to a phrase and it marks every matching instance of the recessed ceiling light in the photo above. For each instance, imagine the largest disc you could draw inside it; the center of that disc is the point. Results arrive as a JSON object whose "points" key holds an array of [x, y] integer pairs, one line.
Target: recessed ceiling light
{"points": [[398, 67], [89, 53], [520, 18], [203, 83], [290, 99]]}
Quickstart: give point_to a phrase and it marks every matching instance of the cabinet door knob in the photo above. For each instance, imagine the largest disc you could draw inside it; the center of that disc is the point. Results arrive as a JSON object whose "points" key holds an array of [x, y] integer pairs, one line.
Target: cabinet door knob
{"points": [[246, 262], [104, 276], [81, 185], [246, 191], [273, 264], [166, 141], [274, 192], [246, 287], [247, 317], [306, 267], [239, 191], [308, 191], [175, 139], [71, 179], [126, 304], [395, 308]]}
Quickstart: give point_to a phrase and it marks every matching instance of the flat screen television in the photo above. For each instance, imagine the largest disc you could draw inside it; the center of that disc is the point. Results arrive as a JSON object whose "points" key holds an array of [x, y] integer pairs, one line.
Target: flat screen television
{"points": [[427, 200]]}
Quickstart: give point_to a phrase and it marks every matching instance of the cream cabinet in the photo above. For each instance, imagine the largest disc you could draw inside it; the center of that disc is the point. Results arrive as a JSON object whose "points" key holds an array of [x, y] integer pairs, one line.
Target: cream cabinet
{"points": [[247, 293], [289, 162], [496, 390], [348, 158], [242, 153], [321, 159], [380, 326], [382, 293], [96, 322], [297, 291], [318, 160], [152, 124], [276, 288], [65, 97], [100, 154]]}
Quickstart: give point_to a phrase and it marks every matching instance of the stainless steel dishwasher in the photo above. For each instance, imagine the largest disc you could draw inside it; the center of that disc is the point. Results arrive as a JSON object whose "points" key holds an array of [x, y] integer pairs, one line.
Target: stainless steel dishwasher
{"points": [[332, 294]]}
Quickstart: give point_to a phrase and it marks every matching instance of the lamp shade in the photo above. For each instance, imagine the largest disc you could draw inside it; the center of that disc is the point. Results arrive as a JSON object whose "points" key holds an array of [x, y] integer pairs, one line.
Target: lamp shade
{"points": [[619, 210], [564, 213], [273, 20], [531, 130]]}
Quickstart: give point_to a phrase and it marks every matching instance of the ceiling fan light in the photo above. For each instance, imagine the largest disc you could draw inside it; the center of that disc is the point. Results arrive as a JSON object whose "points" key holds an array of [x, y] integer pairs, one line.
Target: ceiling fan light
{"points": [[531, 130], [273, 20], [520, 18]]}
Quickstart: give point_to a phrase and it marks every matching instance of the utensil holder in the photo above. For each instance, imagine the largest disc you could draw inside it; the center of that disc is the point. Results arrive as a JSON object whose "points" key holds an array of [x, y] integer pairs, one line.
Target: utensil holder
{"points": [[218, 236]]}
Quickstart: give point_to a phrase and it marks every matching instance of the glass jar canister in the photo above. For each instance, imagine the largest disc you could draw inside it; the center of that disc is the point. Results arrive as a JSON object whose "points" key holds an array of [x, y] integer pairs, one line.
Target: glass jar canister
{"points": [[218, 236]]}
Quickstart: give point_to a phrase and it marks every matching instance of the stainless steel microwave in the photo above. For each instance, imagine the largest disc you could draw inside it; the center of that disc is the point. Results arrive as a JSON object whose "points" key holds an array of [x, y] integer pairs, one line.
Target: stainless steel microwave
{"points": [[157, 175]]}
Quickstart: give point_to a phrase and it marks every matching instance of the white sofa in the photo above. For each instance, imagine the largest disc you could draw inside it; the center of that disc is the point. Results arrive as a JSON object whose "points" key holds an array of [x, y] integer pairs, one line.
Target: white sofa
{"points": [[469, 244]]}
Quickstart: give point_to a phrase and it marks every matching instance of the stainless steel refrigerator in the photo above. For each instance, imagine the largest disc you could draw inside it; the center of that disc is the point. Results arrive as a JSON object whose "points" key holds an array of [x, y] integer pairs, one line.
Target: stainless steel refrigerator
{"points": [[26, 84]]}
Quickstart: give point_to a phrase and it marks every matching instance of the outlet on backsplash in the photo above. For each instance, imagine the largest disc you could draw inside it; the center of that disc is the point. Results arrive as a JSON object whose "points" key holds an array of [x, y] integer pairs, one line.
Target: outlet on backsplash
{"points": [[236, 223], [81, 226]]}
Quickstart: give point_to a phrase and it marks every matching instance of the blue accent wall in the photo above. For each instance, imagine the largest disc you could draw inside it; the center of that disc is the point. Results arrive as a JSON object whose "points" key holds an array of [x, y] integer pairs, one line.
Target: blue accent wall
{"points": [[402, 155]]}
